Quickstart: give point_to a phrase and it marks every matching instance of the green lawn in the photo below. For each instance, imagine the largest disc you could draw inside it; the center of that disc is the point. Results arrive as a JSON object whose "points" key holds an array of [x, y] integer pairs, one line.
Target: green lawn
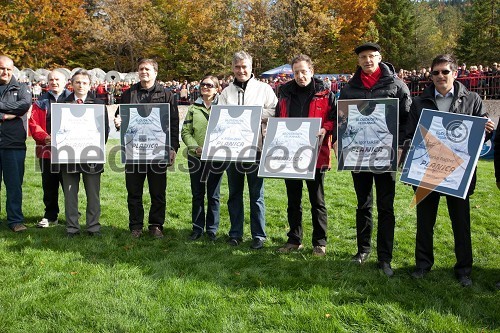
{"points": [[117, 284]]}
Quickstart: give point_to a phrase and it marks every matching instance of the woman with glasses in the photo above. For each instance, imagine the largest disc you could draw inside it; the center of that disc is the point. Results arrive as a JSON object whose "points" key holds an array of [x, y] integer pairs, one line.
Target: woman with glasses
{"points": [[205, 176]]}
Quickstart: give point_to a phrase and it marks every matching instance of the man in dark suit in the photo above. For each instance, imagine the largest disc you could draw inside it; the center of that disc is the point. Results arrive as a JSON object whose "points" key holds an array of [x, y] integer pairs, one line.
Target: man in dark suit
{"points": [[90, 172], [445, 94]]}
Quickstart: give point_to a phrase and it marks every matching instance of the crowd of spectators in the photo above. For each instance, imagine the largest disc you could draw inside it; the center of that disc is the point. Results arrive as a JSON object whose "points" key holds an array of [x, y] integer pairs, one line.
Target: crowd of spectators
{"points": [[483, 80]]}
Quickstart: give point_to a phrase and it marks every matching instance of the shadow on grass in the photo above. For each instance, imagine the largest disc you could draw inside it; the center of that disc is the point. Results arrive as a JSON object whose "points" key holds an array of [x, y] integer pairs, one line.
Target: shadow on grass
{"points": [[242, 269]]}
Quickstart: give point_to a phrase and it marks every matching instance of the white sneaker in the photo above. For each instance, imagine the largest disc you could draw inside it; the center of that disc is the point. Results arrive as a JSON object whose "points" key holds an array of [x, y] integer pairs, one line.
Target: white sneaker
{"points": [[44, 223]]}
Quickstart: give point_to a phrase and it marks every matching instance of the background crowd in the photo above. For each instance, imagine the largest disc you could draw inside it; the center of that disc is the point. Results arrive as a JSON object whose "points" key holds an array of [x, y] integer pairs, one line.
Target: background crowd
{"points": [[484, 80]]}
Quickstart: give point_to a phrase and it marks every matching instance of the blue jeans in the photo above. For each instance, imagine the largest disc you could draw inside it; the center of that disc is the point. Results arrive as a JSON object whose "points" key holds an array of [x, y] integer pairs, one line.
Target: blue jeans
{"points": [[236, 181], [12, 171], [206, 178]]}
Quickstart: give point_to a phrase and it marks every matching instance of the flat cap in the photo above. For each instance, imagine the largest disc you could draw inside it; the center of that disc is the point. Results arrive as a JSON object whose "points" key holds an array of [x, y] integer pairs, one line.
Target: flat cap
{"points": [[367, 46]]}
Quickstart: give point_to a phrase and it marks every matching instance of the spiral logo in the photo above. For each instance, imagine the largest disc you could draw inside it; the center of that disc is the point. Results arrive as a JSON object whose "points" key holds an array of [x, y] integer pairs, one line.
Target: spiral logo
{"points": [[456, 131]]}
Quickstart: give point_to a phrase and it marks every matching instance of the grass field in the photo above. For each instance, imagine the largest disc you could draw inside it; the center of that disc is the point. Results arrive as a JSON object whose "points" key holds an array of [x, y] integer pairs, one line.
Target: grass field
{"points": [[118, 284]]}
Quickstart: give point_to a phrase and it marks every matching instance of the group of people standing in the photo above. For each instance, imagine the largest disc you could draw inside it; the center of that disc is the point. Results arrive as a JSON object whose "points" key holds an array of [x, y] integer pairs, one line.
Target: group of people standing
{"points": [[304, 96]]}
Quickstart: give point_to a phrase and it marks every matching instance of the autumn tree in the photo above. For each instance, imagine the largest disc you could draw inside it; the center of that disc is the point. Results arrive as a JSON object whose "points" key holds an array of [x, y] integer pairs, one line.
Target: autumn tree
{"points": [[436, 31], [39, 33], [355, 19], [198, 39], [116, 34], [305, 26], [256, 34]]}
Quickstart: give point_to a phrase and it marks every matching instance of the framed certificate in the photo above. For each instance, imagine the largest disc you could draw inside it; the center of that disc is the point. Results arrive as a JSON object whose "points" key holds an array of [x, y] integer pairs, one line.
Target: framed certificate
{"points": [[145, 133], [233, 133], [78, 133], [368, 134], [444, 152], [290, 148]]}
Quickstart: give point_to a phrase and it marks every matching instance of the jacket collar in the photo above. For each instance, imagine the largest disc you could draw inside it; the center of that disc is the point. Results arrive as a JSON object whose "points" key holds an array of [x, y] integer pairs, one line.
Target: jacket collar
{"points": [[71, 99], [243, 85], [13, 83], [387, 76], [319, 88], [459, 91], [199, 101]]}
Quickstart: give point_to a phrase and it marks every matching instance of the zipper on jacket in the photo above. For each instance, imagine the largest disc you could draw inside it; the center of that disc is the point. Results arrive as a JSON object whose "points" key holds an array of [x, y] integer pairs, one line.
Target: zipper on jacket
{"points": [[241, 96]]}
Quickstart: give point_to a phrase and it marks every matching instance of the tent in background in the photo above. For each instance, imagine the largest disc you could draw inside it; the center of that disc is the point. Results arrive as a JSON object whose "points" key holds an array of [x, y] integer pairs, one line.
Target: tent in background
{"points": [[280, 70]]}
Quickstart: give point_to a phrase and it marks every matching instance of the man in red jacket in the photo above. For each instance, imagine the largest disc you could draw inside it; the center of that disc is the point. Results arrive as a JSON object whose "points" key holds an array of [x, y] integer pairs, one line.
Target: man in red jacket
{"points": [[39, 125], [306, 96]]}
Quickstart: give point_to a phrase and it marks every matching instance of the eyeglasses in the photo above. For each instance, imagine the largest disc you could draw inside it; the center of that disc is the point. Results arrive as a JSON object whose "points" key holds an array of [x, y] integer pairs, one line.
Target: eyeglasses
{"points": [[369, 56], [206, 85], [444, 72]]}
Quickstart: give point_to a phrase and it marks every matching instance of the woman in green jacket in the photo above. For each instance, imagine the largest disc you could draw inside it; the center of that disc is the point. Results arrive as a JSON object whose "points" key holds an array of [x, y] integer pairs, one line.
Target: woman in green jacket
{"points": [[205, 176]]}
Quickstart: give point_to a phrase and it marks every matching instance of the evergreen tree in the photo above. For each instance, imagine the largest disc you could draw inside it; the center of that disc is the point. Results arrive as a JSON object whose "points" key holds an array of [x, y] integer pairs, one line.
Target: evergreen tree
{"points": [[480, 41], [395, 21]]}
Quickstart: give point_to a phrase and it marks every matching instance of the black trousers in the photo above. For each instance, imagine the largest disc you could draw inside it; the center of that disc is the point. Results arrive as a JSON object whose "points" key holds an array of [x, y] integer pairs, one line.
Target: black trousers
{"points": [[318, 209], [51, 178], [135, 175], [385, 186], [459, 211]]}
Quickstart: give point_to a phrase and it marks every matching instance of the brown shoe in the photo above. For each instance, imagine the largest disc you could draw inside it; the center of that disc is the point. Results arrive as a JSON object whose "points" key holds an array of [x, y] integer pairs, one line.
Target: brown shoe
{"points": [[18, 227], [289, 247], [319, 251], [137, 233], [156, 232]]}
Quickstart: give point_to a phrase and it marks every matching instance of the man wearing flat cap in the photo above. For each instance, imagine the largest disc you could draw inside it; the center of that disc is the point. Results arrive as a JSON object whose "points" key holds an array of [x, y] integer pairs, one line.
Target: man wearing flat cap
{"points": [[376, 79]]}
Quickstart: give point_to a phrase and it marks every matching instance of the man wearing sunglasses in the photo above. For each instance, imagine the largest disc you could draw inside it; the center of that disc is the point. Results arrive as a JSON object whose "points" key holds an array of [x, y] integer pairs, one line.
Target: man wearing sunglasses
{"points": [[445, 94], [376, 79]]}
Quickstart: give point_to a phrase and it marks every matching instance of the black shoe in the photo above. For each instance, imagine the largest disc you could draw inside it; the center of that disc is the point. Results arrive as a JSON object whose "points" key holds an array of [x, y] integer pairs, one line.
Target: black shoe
{"points": [[419, 273], [72, 234], [361, 257], [94, 234], [257, 243], [464, 280], [234, 241], [211, 236], [386, 268], [156, 232], [195, 235], [136, 233]]}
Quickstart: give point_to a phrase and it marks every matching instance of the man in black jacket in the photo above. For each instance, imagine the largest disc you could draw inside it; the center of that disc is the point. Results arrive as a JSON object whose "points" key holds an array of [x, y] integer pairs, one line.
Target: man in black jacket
{"points": [[376, 79], [149, 91], [447, 95], [15, 101]]}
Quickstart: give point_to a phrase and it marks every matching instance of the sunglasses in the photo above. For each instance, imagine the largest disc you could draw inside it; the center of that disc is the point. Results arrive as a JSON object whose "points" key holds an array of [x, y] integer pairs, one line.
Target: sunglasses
{"points": [[206, 85], [444, 72]]}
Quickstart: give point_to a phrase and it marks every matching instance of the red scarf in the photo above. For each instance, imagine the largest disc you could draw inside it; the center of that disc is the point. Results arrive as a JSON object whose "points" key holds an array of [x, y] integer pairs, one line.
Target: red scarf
{"points": [[369, 80]]}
